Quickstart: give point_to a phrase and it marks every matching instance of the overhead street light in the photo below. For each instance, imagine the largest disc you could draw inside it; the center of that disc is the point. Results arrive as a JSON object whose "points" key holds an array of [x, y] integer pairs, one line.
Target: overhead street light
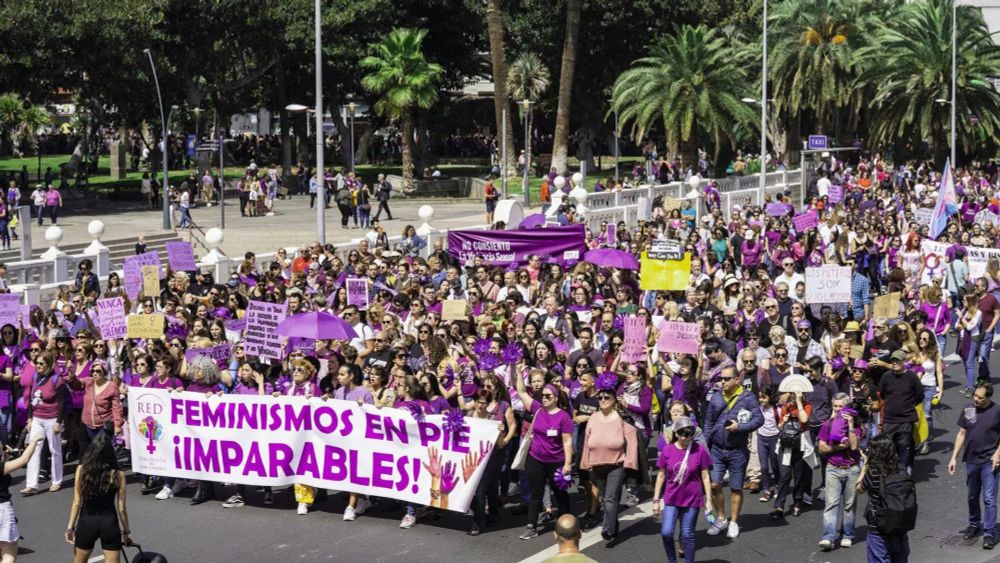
{"points": [[163, 131]]}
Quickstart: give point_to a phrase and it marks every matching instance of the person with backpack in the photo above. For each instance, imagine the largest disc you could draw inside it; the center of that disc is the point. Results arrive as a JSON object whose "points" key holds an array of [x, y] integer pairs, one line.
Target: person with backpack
{"points": [[892, 502], [977, 440], [901, 392], [793, 418], [839, 437]]}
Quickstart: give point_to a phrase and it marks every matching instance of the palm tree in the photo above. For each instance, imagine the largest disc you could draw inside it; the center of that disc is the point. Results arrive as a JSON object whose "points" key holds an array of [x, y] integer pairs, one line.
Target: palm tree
{"points": [[498, 60], [693, 83], [19, 121], [527, 80], [908, 65], [560, 139], [405, 80]]}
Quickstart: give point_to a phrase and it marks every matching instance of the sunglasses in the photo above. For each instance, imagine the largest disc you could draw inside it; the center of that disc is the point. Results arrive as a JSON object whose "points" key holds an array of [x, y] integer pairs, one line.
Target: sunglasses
{"points": [[685, 433], [604, 397], [548, 396]]}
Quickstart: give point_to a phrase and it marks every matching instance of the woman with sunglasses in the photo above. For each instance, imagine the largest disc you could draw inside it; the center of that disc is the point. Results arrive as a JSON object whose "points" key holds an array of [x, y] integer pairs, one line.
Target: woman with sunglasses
{"points": [[930, 369], [610, 447], [102, 407], [47, 398], [684, 486], [551, 449], [792, 412]]}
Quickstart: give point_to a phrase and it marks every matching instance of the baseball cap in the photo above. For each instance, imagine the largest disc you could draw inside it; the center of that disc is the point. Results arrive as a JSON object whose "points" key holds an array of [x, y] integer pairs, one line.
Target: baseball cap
{"points": [[803, 324], [899, 356]]}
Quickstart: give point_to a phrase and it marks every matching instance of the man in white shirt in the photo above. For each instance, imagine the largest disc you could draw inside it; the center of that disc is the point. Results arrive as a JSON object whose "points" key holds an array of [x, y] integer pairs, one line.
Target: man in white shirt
{"points": [[788, 274], [823, 185]]}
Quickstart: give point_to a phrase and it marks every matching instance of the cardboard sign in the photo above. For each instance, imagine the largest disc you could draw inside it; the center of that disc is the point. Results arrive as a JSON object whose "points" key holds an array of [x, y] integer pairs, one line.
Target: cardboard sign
{"points": [[836, 194], [133, 271], [10, 308], [454, 310], [887, 306], [669, 275], [357, 293], [828, 284], [669, 204], [150, 281], [857, 351], [145, 326], [111, 317], [180, 256], [923, 215], [678, 337], [634, 340], [806, 221]]}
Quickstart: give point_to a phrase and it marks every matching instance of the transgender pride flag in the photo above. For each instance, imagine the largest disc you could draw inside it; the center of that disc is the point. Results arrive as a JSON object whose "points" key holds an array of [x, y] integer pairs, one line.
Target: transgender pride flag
{"points": [[947, 202]]}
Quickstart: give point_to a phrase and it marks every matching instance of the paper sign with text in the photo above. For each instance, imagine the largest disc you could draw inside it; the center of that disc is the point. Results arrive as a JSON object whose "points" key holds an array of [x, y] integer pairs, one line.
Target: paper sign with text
{"points": [[180, 256], [150, 281], [454, 310], [259, 336], [145, 326], [828, 284], [634, 340], [357, 293], [111, 316], [678, 337]]}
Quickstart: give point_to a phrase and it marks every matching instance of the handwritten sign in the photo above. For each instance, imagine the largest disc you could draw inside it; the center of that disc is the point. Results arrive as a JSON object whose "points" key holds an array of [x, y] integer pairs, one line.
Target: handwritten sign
{"points": [[670, 275], [828, 284], [259, 336], [923, 215], [145, 326], [111, 317], [10, 308], [669, 204], [634, 341], [357, 293], [221, 353], [806, 221], [133, 271], [454, 310], [180, 256], [777, 209], [150, 281], [836, 194], [678, 337], [887, 306]]}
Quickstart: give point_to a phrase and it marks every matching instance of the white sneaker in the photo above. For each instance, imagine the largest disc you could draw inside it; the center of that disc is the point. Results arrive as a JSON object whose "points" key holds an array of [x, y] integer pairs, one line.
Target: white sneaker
{"points": [[349, 514], [825, 545], [164, 493], [717, 528], [362, 506], [807, 499], [846, 542], [304, 509], [734, 531], [235, 501], [408, 521]]}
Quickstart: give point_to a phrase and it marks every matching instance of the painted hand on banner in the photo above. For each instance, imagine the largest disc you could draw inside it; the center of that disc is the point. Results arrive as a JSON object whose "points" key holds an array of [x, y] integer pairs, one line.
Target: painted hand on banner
{"points": [[473, 459], [435, 463], [448, 478]]}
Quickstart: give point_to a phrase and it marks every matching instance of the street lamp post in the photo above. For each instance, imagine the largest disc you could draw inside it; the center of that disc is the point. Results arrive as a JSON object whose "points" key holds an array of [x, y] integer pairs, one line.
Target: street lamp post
{"points": [[352, 108], [954, 69], [320, 180], [526, 104], [197, 124], [763, 112], [616, 145], [163, 122]]}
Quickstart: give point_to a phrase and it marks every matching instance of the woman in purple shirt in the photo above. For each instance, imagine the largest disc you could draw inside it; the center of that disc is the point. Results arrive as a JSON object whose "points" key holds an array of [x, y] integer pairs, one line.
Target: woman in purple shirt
{"points": [[684, 485], [249, 381], [551, 450]]}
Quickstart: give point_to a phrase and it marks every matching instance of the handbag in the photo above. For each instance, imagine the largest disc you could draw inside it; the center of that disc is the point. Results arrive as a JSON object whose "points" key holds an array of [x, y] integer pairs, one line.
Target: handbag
{"points": [[521, 457]]}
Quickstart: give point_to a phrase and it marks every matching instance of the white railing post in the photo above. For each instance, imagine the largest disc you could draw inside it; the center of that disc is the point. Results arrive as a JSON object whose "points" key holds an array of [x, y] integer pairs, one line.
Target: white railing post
{"points": [[426, 230], [102, 267]]}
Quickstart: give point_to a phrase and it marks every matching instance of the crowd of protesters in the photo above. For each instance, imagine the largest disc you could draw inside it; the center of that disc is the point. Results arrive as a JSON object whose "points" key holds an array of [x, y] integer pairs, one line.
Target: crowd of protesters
{"points": [[795, 403]]}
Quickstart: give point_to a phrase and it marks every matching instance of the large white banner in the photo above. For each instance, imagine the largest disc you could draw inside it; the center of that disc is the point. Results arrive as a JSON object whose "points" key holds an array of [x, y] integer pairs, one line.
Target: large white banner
{"points": [[935, 262], [265, 440]]}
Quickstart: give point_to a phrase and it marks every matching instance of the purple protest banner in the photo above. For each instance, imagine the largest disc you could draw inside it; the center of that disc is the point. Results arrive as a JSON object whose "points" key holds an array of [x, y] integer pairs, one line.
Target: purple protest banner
{"points": [[501, 248], [612, 234], [10, 308], [259, 336], [836, 194], [221, 353], [805, 221], [357, 293], [133, 271], [777, 209], [180, 255], [111, 317], [634, 341], [678, 337]]}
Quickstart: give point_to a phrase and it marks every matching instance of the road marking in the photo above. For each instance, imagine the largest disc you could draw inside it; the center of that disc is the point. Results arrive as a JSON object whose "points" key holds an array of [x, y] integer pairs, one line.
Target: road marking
{"points": [[96, 558], [593, 537]]}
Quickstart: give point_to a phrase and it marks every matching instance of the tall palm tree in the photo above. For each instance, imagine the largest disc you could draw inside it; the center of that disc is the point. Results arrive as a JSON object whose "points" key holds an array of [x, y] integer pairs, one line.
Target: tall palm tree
{"points": [[909, 67], [406, 81], [527, 80], [692, 82], [498, 60], [560, 139], [19, 121]]}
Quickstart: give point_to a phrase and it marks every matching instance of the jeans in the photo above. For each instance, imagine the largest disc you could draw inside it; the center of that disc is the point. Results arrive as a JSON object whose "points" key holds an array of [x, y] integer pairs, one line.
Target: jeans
{"points": [[53, 213], [609, 480], [840, 483], [942, 341], [970, 364], [902, 437], [887, 548], [539, 474], [6, 423], [185, 218], [981, 478], [929, 392], [688, 517], [45, 425], [363, 217], [39, 213], [985, 349], [767, 452]]}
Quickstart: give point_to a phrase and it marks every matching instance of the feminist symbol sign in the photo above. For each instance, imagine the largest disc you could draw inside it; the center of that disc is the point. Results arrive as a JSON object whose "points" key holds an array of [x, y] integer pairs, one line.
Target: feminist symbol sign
{"points": [[152, 430], [931, 263]]}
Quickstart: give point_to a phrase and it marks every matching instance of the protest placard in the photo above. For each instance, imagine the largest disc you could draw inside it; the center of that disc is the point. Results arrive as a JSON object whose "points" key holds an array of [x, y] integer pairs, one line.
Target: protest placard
{"points": [[454, 310], [111, 317], [805, 221], [828, 284], [221, 353], [259, 336], [835, 195], [145, 326], [150, 281], [777, 209], [923, 215], [180, 256], [10, 308], [612, 233], [634, 340], [277, 441], [670, 203], [668, 275], [887, 306], [357, 293], [133, 271], [678, 337]]}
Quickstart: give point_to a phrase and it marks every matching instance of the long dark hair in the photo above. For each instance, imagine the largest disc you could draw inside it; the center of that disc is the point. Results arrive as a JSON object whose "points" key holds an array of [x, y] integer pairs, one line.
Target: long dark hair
{"points": [[97, 466], [882, 455]]}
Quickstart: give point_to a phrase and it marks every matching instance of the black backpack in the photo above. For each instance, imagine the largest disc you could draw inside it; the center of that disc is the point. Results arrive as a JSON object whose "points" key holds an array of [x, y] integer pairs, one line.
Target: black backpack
{"points": [[898, 513], [790, 433]]}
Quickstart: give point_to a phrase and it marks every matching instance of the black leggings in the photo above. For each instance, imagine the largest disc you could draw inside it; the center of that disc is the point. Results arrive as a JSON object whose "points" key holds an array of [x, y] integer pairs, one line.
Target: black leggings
{"points": [[91, 527], [345, 214], [541, 473]]}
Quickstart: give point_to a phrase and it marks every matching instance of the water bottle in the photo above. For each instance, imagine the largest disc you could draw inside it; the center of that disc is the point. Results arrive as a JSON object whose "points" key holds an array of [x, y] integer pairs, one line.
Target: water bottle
{"points": [[710, 517]]}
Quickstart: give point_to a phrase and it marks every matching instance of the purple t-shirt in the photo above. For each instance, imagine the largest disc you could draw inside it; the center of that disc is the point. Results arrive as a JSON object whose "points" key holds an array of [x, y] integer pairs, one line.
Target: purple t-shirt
{"points": [[751, 254], [546, 442], [689, 492], [439, 405], [354, 394], [832, 432]]}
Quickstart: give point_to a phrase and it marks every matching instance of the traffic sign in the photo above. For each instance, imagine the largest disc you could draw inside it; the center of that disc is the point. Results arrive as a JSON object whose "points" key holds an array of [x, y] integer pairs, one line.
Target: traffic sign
{"points": [[817, 142]]}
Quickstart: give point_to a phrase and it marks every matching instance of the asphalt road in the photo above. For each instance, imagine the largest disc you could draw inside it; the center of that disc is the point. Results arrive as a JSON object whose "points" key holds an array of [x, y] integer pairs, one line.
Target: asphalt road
{"points": [[275, 533]]}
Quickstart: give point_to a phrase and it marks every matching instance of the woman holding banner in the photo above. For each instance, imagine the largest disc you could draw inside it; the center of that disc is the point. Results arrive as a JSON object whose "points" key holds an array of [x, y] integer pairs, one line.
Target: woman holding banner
{"points": [[490, 406]]}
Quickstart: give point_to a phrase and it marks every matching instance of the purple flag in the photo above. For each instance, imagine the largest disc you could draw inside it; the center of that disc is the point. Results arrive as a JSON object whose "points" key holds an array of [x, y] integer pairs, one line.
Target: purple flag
{"points": [[501, 248]]}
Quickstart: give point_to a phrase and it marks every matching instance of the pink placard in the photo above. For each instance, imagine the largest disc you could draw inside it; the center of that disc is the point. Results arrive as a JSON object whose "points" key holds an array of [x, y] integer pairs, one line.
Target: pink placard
{"points": [[678, 337], [806, 221], [634, 341]]}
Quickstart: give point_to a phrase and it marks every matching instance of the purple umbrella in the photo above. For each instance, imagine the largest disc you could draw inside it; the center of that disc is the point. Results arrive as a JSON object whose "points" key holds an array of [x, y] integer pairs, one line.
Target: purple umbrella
{"points": [[532, 221], [612, 258], [317, 326]]}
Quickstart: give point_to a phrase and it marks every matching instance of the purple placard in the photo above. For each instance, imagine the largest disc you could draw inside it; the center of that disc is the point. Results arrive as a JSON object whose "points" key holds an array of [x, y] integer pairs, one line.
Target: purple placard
{"points": [[501, 248], [180, 255], [777, 209], [612, 234], [806, 221], [836, 194], [357, 293], [111, 317], [221, 353], [10, 308], [133, 271], [259, 337]]}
